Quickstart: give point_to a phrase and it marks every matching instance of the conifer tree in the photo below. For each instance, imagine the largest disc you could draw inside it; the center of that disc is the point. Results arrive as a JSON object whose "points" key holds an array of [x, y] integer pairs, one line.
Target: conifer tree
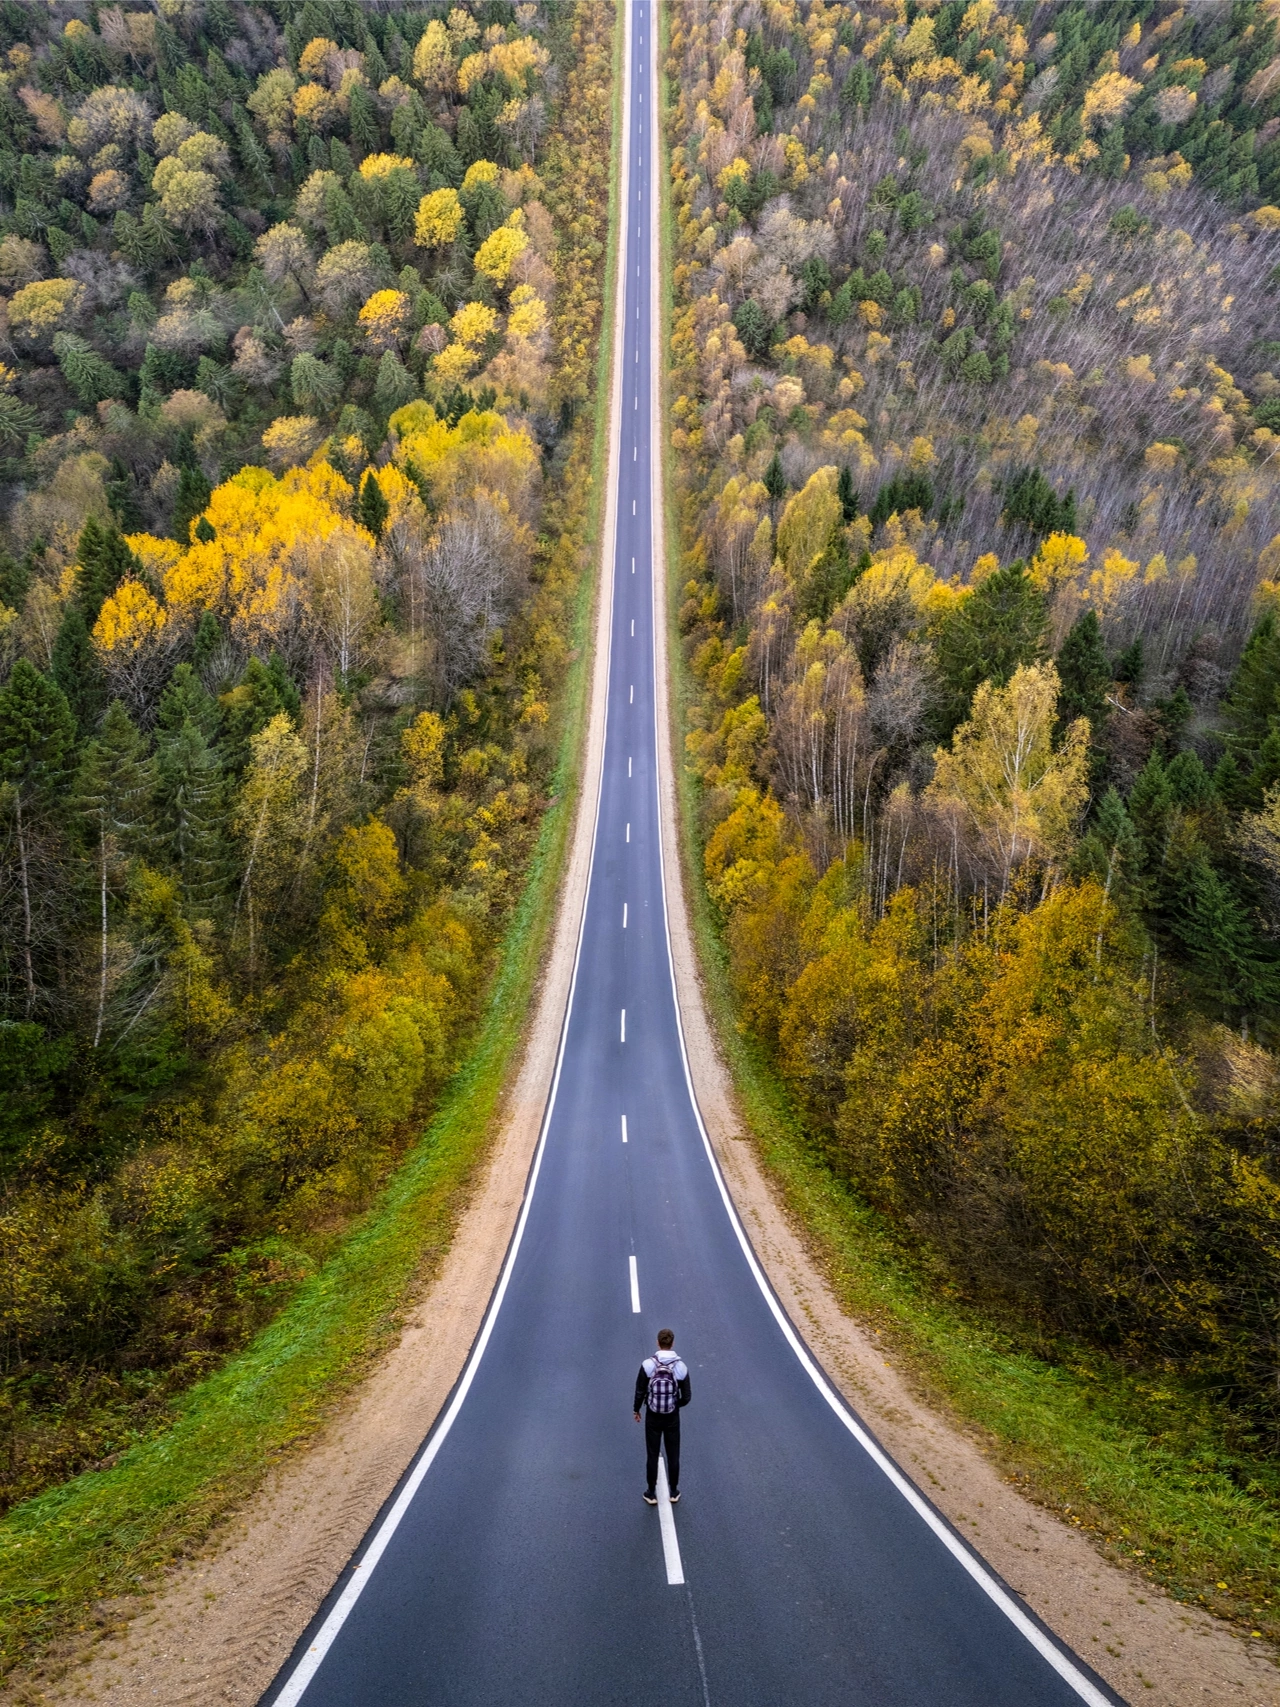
{"points": [[1229, 960], [192, 799], [186, 700], [114, 800], [37, 743], [846, 494], [75, 669], [105, 560], [374, 508], [995, 630], [194, 492], [1085, 673]]}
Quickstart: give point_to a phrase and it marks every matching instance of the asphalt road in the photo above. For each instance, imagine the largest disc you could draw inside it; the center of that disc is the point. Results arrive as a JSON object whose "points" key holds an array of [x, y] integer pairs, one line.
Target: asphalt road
{"points": [[518, 1563]]}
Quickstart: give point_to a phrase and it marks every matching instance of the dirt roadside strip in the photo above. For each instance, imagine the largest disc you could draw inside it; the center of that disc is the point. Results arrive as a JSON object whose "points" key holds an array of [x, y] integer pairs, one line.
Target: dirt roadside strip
{"points": [[223, 1623]]}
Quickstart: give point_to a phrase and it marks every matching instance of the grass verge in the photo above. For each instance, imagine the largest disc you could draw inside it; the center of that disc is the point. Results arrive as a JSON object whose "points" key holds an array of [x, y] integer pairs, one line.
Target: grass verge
{"points": [[106, 1534], [1152, 1470]]}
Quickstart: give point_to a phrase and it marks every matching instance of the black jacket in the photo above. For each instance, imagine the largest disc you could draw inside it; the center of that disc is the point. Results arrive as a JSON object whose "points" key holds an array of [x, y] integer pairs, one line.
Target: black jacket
{"points": [[683, 1388]]}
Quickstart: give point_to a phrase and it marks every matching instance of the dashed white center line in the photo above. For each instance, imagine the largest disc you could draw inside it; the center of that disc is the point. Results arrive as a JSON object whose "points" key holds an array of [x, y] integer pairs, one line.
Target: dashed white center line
{"points": [[633, 628], [624, 915], [667, 1523], [632, 698], [628, 832], [635, 1288], [623, 1038], [628, 764], [624, 1129]]}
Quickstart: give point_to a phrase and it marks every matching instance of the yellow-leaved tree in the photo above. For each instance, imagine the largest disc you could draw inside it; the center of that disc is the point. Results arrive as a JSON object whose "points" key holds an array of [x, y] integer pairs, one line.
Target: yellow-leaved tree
{"points": [[1022, 794]]}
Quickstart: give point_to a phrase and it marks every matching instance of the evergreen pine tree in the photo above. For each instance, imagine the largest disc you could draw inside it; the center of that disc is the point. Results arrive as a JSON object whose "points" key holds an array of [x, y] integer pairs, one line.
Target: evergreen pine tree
{"points": [[1111, 849], [363, 119], [1085, 673], [90, 376], [115, 784], [76, 670], [206, 643], [250, 706], [775, 481], [1229, 960], [286, 688], [1253, 699], [1130, 665], [114, 801], [846, 494], [997, 628], [186, 700], [191, 795], [194, 492], [1151, 804], [374, 508], [105, 560], [37, 746]]}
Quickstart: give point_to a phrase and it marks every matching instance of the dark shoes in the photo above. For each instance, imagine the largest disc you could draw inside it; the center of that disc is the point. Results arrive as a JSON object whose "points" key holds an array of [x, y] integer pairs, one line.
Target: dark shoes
{"points": [[650, 1498], [675, 1496]]}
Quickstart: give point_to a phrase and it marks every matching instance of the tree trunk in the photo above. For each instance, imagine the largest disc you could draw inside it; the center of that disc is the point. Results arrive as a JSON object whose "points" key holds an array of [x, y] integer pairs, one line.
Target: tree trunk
{"points": [[102, 980]]}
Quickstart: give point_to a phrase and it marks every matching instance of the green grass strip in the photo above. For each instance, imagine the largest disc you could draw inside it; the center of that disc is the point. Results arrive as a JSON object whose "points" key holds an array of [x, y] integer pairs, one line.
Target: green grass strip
{"points": [[1153, 1470], [107, 1534]]}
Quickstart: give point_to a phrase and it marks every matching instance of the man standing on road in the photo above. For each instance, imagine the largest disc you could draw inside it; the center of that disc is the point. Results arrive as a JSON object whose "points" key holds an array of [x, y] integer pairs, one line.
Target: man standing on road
{"points": [[663, 1387]]}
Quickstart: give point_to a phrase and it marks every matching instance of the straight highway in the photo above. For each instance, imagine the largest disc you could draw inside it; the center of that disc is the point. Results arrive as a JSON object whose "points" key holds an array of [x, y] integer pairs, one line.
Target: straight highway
{"points": [[517, 1562]]}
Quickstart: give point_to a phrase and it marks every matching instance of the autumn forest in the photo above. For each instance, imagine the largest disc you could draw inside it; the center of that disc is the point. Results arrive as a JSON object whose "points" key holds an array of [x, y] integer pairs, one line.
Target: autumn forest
{"points": [[973, 416], [976, 414], [299, 318]]}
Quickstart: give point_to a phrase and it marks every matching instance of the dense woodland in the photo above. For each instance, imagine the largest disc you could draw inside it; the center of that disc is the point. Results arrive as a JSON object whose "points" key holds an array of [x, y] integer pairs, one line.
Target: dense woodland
{"points": [[977, 373], [299, 318]]}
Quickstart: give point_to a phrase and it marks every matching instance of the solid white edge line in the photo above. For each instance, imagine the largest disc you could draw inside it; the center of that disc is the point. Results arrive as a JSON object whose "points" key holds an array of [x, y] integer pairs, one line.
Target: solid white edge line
{"points": [[310, 1662], [1066, 1669], [667, 1523], [635, 1286]]}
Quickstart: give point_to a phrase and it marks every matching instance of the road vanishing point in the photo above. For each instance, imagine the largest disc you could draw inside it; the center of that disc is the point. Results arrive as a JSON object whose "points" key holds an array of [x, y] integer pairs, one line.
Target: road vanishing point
{"points": [[517, 1562]]}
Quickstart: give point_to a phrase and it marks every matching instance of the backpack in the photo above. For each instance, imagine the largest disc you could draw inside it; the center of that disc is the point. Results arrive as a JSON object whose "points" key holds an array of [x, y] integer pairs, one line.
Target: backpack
{"points": [[664, 1391]]}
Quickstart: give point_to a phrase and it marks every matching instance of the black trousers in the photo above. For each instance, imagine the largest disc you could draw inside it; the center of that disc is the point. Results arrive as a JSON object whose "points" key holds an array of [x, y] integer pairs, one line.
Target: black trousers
{"points": [[657, 1429]]}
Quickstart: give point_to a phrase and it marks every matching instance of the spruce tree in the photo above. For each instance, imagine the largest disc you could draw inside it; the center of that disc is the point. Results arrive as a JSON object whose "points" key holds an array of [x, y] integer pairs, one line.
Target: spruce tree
{"points": [[194, 492], [104, 561], [846, 494], [37, 746], [184, 700], [1229, 960], [191, 795], [262, 693], [1253, 699], [76, 670], [115, 784], [1084, 671], [90, 376], [374, 508], [1000, 626], [775, 481], [114, 801], [1111, 849]]}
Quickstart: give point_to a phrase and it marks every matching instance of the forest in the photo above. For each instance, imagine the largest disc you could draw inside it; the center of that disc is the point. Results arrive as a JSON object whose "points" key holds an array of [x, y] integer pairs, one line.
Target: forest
{"points": [[299, 308], [976, 406]]}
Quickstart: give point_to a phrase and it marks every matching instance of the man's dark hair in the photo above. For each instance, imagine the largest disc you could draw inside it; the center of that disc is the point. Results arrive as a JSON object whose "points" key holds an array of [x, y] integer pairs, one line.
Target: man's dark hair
{"points": [[666, 1339]]}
